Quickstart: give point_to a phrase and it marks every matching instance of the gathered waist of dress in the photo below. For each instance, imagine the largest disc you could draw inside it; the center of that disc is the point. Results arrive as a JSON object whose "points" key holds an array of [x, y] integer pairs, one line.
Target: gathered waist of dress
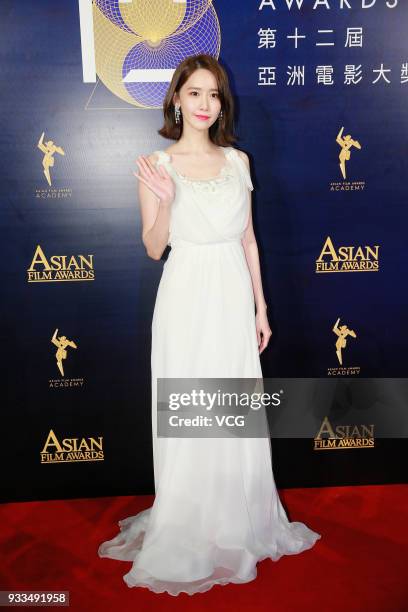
{"points": [[180, 242]]}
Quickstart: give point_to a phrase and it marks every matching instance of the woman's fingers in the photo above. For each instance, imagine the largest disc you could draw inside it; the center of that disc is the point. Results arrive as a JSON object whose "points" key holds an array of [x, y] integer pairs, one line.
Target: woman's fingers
{"points": [[148, 184], [145, 170], [258, 336], [163, 172], [141, 178], [151, 175], [151, 167], [145, 166], [263, 339], [141, 167], [157, 179]]}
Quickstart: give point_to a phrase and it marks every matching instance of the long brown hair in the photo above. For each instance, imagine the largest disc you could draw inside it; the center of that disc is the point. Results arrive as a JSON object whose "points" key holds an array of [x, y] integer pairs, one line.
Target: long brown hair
{"points": [[222, 130]]}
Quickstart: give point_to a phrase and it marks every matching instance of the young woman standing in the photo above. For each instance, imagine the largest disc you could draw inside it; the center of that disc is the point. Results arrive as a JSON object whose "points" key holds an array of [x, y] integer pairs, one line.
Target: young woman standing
{"points": [[216, 511]]}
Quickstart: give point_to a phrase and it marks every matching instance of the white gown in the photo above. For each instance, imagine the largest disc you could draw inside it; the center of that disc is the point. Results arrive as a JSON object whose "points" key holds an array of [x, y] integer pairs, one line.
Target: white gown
{"points": [[216, 511]]}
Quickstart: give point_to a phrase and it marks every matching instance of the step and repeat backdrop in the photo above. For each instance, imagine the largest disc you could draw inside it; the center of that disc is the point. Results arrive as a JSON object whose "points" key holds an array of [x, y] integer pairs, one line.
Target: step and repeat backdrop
{"points": [[321, 89]]}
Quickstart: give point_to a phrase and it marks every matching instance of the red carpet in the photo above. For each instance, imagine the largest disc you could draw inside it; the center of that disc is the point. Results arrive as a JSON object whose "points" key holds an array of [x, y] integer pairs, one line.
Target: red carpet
{"points": [[358, 565]]}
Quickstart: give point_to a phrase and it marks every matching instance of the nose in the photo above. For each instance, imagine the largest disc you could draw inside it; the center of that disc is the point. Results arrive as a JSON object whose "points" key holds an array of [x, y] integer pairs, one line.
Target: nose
{"points": [[204, 103]]}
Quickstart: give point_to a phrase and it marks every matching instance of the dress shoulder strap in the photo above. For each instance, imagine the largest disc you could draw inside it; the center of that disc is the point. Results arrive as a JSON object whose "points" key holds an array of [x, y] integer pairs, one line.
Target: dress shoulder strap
{"points": [[242, 167]]}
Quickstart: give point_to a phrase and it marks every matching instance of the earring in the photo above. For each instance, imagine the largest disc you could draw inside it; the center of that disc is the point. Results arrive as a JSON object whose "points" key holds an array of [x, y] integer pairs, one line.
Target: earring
{"points": [[220, 115], [177, 114]]}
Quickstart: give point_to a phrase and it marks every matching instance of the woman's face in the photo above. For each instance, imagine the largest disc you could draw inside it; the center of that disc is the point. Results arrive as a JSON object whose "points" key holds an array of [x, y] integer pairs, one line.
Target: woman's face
{"points": [[199, 100]]}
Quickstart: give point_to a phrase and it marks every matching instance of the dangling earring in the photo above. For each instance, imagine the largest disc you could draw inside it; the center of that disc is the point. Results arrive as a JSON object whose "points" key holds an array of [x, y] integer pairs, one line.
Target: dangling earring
{"points": [[177, 114], [220, 115]]}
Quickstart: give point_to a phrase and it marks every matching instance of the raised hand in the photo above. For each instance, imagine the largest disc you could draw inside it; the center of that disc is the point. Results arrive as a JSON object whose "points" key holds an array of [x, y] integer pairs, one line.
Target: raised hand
{"points": [[157, 179]]}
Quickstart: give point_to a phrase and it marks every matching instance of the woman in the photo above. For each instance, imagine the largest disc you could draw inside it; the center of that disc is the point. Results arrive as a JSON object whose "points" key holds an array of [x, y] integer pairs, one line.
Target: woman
{"points": [[216, 511]]}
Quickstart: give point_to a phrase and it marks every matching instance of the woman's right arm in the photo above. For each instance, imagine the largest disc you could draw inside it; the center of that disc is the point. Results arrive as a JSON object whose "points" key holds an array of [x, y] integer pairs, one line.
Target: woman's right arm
{"points": [[156, 194]]}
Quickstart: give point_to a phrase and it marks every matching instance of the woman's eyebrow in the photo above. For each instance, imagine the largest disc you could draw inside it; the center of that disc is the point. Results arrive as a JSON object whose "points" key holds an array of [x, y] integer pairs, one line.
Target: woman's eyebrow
{"points": [[201, 88]]}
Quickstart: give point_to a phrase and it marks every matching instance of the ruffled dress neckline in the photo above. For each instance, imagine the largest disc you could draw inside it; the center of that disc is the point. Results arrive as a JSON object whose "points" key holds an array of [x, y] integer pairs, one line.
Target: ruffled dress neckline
{"points": [[224, 174]]}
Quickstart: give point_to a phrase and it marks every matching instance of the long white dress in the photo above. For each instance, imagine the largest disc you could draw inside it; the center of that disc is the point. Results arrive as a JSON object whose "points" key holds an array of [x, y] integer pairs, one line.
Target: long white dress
{"points": [[216, 511]]}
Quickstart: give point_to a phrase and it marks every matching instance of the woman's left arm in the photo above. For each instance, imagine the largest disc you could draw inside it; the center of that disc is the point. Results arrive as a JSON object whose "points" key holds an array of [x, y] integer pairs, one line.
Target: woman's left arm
{"points": [[249, 243]]}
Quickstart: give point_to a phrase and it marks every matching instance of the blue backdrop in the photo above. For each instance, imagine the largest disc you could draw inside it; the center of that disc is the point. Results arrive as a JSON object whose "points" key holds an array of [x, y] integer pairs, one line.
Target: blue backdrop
{"points": [[309, 81]]}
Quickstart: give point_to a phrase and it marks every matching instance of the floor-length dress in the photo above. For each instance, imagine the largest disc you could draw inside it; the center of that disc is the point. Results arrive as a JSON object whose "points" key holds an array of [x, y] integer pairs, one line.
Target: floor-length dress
{"points": [[216, 511]]}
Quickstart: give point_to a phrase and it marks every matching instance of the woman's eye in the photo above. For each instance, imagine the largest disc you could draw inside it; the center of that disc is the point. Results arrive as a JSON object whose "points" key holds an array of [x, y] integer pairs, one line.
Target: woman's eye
{"points": [[196, 92]]}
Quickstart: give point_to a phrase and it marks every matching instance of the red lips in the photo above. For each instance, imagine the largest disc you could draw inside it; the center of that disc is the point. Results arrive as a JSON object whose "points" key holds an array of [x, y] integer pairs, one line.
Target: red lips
{"points": [[202, 116]]}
